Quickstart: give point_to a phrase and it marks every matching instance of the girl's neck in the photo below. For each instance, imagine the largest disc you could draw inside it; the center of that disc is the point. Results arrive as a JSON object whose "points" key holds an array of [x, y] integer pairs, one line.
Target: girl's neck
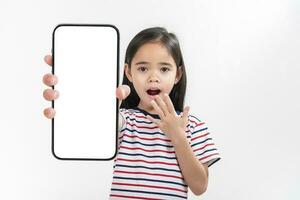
{"points": [[148, 109]]}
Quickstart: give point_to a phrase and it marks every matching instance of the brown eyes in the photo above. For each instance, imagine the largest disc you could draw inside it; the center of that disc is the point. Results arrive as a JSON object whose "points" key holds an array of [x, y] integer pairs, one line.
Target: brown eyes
{"points": [[142, 69], [163, 69]]}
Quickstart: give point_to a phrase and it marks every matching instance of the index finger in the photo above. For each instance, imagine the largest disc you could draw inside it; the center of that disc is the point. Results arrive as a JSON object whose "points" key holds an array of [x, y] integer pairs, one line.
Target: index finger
{"points": [[48, 59], [169, 103]]}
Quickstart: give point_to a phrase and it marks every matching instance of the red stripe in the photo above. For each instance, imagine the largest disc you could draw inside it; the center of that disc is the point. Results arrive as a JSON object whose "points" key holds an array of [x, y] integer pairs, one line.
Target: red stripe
{"points": [[154, 150], [132, 197], [149, 186], [199, 136], [152, 174], [197, 124], [204, 147], [154, 162], [142, 138], [145, 127], [208, 156]]}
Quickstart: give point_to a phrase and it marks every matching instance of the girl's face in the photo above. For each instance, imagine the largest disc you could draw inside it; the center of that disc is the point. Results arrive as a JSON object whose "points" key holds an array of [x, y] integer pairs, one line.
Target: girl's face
{"points": [[153, 72]]}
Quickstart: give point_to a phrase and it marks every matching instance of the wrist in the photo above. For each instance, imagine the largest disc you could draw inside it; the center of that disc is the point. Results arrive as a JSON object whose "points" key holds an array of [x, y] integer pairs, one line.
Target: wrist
{"points": [[178, 137]]}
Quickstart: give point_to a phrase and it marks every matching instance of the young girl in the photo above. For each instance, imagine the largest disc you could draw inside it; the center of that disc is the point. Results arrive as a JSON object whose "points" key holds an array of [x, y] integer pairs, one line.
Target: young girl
{"points": [[162, 149]]}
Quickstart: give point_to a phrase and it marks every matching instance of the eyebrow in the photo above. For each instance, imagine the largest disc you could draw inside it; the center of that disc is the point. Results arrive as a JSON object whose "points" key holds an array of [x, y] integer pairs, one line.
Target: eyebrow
{"points": [[162, 63]]}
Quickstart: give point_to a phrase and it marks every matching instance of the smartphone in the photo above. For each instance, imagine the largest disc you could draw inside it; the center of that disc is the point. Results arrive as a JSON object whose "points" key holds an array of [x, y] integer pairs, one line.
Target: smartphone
{"points": [[86, 62]]}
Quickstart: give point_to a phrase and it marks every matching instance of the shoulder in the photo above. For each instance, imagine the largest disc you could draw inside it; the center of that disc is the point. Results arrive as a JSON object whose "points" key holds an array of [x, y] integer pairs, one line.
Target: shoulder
{"points": [[131, 113], [125, 115], [126, 112], [195, 120], [196, 124]]}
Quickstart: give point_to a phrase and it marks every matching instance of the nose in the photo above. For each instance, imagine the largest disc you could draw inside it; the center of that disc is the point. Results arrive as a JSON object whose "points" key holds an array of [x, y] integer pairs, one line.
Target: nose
{"points": [[153, 78]]}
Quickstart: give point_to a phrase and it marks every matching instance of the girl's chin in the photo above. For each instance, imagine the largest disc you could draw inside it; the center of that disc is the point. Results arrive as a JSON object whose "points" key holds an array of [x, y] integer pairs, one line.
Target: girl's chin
{"points": [[147, 101]]}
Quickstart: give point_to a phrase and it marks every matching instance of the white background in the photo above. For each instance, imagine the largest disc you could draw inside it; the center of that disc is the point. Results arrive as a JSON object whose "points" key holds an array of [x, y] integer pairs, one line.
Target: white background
{"points": [[242, 60]]}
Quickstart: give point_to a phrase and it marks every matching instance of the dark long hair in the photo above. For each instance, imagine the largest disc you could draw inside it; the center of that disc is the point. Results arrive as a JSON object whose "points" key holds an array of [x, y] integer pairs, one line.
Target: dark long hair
{"points": [[170, 41]]}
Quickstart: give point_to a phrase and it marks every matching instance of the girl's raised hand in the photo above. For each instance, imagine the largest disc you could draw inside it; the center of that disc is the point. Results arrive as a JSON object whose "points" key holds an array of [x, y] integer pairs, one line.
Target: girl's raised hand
{"points": [[172, 124], [50, 94]]}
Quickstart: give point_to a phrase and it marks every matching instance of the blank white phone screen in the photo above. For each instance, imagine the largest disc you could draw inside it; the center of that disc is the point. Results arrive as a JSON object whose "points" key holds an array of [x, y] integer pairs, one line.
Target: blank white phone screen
{"points": [[85, 60]]}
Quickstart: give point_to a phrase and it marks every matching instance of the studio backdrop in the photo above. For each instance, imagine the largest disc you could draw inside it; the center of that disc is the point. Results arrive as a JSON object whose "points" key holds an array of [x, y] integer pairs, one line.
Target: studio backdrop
{"points": [[242, 63]]}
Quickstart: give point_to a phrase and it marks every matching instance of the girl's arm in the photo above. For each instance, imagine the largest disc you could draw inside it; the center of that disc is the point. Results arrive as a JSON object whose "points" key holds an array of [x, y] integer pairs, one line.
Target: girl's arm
{"points": [[174, 126], [121, 122], [194, 172], [121, 93]]}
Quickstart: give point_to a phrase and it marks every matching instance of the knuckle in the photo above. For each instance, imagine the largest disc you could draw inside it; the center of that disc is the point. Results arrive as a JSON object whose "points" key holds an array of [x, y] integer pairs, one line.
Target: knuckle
{"points": [[46, 91], [50, 94], [50, 79]]}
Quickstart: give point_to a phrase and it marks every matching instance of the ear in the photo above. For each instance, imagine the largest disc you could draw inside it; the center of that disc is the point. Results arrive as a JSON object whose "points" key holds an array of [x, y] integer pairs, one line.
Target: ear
{"points": [[178, 74], [127, 72]]}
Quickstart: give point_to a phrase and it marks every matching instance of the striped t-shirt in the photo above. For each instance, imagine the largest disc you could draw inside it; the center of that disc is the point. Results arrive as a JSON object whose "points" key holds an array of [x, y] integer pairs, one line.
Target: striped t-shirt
{"points": [[146, 166]]}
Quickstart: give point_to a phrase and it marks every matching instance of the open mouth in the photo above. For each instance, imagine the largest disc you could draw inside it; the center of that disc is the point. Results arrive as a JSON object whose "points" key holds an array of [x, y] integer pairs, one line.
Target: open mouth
{"points": [[153, 92]]}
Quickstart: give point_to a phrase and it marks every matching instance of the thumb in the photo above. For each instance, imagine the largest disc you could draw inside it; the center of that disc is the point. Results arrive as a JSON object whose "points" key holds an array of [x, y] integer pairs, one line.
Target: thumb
{"points": [[122, 92]]}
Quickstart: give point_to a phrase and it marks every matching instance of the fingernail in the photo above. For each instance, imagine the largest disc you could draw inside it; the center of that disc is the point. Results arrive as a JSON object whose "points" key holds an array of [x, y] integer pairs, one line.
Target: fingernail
{"points": [[122, 94]]}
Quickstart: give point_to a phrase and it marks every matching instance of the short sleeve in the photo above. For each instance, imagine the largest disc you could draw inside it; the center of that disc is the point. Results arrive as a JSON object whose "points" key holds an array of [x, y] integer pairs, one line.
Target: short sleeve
{"points": [[123, 117], [202, 142]]}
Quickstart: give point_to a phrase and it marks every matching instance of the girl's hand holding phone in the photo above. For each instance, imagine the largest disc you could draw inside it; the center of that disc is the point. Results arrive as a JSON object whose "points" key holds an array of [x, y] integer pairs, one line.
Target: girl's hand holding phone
{"points": [[122, 92], [49, 94]]}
